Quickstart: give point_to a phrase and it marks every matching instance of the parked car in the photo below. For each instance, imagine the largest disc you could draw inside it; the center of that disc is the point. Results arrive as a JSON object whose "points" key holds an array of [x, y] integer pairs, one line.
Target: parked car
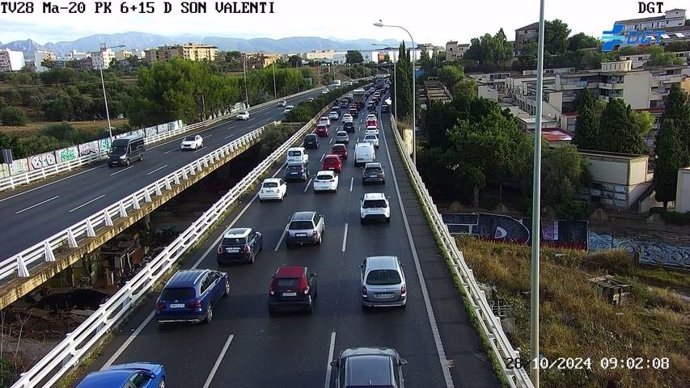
{"points": [[305, 227], [332, 162], [239, 245], [272, 188], [189, 296], [341, 137], [369, 367], [292, 287], [349, 127], [326, 181], [131, 375], [383, 282], [321, 130], [243, 115], [296, 172], [311, 141], [193, 142], [373, 173], [372, 139], [340, 150], [374, 206]]}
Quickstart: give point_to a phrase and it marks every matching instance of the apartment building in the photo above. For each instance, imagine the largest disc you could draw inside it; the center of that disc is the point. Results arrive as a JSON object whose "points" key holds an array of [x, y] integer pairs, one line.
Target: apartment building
{"points": [[38, 58], [525, 35], [671, 18], [319, 55], [11, 60], [102, 59], [189, 51], [455, 50]]}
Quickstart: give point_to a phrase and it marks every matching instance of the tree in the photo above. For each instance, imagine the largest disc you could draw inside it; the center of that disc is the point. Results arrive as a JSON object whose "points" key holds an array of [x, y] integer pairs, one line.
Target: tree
{"points": [[450, 75], [564, 171], [587, 125], [294, 60], [12, 115], [353, 57], [466, 87], [581, 41], [490, 50], [678, 109], [619, 131], [659, 57], [556, 37], [670, 156]]}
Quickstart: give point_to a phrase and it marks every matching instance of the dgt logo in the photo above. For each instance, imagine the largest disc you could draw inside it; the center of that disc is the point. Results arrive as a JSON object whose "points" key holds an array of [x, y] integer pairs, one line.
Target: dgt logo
{"points": [[650, 7], [616, 37]]}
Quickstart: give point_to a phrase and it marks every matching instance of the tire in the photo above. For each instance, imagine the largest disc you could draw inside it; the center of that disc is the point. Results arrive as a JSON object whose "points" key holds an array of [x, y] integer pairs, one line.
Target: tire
{"points": [[388, 220], [209, 314], [271, 311], [320, 237], [252, 259], [127, 163], [227, 289], [361, 220], [310, 308], [141, 157]]}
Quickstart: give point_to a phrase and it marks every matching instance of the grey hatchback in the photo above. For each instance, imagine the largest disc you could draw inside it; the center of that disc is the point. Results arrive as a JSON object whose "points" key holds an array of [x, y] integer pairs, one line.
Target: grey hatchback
{"points": [[369, 367], [383, 282], [305, 228]]}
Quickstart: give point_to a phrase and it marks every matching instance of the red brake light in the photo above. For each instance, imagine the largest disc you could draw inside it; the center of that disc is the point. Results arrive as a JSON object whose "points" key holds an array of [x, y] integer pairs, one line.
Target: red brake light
{"points": [[160, 306], [306, 291], [402, 290], [245, 248], [364, 290], [194, 304]]}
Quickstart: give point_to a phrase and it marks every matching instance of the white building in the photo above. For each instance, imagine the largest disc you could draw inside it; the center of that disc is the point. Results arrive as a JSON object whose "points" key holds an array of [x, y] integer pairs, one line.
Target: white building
{"points": [[75, 55], [11, 60], [101, 59], [39, 57]]}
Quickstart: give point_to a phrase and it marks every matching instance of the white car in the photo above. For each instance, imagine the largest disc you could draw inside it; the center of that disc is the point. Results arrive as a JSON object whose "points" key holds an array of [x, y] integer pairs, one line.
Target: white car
{"points": [[282, 104], [272, 188], [372, 139], [374, 206], [243, 115], [193, 142], [288, 109], [371, 130], [347, 118], [326, 181], [333, 115], [325, 121], [310, 99], [325, 91]]}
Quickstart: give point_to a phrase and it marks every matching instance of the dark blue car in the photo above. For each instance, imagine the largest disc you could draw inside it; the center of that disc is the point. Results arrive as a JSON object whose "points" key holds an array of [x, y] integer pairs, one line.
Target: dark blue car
{"points": [[189, 296], [134, 375], [296, 172]]}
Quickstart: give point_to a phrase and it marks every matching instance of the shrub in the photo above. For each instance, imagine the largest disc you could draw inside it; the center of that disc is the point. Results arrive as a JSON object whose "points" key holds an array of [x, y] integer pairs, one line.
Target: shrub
{"points": [[12, 115]]}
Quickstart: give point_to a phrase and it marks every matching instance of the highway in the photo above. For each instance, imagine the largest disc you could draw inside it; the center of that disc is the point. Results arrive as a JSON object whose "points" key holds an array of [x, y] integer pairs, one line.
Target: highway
{"points": [[29, 215], [245, 347]]}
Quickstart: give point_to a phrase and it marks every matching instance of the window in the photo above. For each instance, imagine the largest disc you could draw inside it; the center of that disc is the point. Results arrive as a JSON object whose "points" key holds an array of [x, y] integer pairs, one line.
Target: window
{"points": [[178, 293], [139, 379], [205, 283], [287, 283], [270, 185], [299, 225], [383, 277], [233, 241], [373, 204]]}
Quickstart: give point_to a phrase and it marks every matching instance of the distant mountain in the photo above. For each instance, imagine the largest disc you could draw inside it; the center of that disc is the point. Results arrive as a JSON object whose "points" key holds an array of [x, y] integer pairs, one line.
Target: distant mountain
{"points": [[141, 40]]}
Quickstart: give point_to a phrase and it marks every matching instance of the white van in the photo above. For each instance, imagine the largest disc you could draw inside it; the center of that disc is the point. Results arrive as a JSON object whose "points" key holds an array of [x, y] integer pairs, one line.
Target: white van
{"points": [[297, 155], [364, 153]]}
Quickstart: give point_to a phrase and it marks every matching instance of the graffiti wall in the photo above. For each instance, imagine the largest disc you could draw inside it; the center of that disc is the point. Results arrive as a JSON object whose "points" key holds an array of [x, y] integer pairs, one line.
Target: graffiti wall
{"points": [[67, 154], [87, 149], [42, 160], [648, 251]]}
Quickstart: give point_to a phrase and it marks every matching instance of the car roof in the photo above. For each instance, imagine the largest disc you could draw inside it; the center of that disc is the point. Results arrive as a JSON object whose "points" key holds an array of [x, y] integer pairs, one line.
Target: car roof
{"points": [[274, 180], [290, 271], [303, 216], [185, 278], [369, 370], [374, 196], [382, 262], [331, 156], [239, 232], [341, 133], [368, 351], [106, 378], [326, 172], [365, 144], [339, 146], [311, 135], [373, 164]]}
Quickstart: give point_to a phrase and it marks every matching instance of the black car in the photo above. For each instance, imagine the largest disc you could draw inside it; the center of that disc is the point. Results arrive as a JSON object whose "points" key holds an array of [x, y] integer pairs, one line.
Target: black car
{"points": [[349, 127], [239, 245], [296, 172], [370, 367], [311, 141], [385, 108], [373, 173]]}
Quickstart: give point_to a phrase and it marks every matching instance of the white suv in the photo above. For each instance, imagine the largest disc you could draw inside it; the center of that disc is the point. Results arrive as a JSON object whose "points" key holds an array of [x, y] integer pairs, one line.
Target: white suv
{"points": [[374, 206]]}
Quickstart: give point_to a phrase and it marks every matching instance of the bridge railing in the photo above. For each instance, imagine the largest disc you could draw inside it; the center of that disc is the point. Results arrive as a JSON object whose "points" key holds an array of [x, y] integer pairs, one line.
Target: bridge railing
{"points": [[488, 322], [78, 343]]}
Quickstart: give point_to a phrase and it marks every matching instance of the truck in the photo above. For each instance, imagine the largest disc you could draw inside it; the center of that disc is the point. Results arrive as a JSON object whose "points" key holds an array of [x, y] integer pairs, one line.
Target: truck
{"points": [[359, 98]]}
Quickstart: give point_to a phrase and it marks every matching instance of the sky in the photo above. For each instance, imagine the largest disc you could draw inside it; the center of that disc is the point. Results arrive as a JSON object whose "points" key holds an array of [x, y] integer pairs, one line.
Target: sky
{"points": [[429, 21]]}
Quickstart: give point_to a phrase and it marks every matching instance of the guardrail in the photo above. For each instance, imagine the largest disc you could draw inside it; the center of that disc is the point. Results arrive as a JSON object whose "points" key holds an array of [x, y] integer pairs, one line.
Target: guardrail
{"points": [[28, 177], [489, 323], [78, 343]]}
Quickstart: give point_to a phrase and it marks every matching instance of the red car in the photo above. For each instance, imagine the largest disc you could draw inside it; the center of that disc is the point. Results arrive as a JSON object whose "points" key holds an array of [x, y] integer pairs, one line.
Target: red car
{"points": [[371, 122], [332, 162], [292, 287], [340, 150], [321, 131]]}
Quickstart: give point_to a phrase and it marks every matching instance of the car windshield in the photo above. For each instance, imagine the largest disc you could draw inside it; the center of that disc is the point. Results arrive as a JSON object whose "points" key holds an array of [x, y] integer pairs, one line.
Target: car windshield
{"points": [[295, 168], [374, 203], [294, 153], [370, 137], [118, 150], [339, 148], [270, 184], [310, 137], [290, 283], [383, 277], [178, 293], [228, 241], [372, 170], [189, 138], [301, 225], [324, 177]]}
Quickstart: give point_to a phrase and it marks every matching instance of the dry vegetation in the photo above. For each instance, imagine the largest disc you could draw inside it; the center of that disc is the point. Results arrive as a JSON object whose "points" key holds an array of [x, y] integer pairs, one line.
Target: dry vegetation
{"points": [[575, 322], [35, 127]]}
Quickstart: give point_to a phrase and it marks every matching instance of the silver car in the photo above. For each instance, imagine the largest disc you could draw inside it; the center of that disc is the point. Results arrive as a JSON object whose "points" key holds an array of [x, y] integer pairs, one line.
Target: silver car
{"points": [[383, 282], [341, 137], [305, 228], [369, 367]]}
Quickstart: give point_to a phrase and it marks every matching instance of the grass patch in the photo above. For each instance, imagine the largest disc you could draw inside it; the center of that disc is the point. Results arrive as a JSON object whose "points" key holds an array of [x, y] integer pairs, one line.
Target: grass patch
{"points": [[35, 127], [575, 322]]}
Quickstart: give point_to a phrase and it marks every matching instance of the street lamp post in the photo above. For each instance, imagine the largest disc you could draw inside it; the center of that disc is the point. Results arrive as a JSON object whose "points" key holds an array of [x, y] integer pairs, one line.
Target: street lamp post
{"points": [[105, 97], [414, 79], [246, 91], [275, 92]]}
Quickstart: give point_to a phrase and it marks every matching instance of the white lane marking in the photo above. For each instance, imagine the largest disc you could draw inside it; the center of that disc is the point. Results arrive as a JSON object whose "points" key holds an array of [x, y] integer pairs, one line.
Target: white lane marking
{"points": [[345, 238], [122, 170], [48, 184], [422, 283], [218, 361], [197, 150], [207, 136], [233, 135], [158, 169], [329, 368], [148, 319], [280, 240], [352, 182], [86, 203], [38, 204], [307, 186], [169, 151], [131, 338], [322, 156]]}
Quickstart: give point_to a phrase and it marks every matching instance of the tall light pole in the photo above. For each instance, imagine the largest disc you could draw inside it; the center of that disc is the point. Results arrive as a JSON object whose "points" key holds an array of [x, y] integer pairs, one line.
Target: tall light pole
{"points": [[105, 97], [395, 82], [414, 79], [275, 91], [536, 213], [246, 91]]}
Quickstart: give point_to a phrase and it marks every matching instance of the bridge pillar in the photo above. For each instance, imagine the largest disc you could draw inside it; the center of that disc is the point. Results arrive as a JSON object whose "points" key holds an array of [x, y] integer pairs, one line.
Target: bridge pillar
{"points": [[135, 202], [48, 252], [90, 232], [108, 219], [22, 271], [123, 211], [71, 241]]}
